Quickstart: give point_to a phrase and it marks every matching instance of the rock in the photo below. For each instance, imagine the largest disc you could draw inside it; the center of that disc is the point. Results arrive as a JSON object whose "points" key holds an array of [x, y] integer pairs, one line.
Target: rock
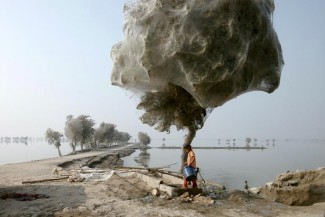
{"points": [[66, 209], [94, 206], [255, 190], [238, 196], [82, 209], [155, 192], [269, 184], [203, 200], [189, 191], [293, 183], [218, 203], [186, 194], [165, 197], [55, 171]]}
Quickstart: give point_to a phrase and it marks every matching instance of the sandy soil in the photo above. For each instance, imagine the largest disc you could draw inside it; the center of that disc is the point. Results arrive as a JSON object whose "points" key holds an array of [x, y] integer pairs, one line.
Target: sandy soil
{"points": [[121, 196]]}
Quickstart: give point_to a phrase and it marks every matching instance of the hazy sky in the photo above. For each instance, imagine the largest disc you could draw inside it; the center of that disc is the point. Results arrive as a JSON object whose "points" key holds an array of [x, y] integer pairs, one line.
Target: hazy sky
{"points": [[55, 61]]}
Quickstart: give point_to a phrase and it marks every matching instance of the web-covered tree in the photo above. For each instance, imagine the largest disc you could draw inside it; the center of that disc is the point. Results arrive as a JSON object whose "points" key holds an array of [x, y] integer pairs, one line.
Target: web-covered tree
{"points": [[104, 133], [173, 106], [144, 139], [54, 138], [204, 57], [121, 138], [79, 130], [87, 129], [72, 131], [107, 135]]}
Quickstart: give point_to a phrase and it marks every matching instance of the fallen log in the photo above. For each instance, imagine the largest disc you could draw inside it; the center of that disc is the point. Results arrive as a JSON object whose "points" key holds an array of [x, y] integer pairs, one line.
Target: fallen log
{"points": [[166, 172], [153, 170], [89, 171], [44, 180], [138, 168]]}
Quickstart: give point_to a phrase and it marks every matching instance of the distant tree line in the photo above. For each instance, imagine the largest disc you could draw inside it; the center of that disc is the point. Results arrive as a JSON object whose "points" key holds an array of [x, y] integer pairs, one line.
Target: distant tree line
{"points": [[81, 133]]}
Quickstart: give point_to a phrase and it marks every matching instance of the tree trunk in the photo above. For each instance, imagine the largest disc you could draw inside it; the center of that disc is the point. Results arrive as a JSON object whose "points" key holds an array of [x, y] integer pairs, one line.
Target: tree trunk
{"points": [[73, 147], [59, 151], [187, 141], [95, 145], [81, 146]]}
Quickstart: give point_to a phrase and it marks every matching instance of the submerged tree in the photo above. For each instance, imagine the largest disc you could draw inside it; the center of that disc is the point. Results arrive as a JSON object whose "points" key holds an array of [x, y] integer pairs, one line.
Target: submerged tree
{"points": [[54, 138], [173, 106]]}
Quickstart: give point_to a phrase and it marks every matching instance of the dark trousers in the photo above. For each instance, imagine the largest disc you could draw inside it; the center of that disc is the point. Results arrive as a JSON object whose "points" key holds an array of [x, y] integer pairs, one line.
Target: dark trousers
{"points": [[194, 184]]}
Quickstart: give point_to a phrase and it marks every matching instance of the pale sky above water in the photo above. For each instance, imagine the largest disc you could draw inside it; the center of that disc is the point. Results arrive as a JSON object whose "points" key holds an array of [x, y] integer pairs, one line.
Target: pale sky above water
{"points": [[55, 61]]}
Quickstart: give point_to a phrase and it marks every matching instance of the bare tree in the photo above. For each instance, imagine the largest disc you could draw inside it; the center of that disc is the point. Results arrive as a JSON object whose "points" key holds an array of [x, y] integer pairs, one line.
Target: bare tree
{"points": [[54, 138]]}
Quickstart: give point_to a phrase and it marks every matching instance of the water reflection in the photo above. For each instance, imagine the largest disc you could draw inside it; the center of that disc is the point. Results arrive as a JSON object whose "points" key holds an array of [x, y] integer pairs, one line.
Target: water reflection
{"points": [[255, 142], [268, 141], [143, 158], [15, 140], [24, 140]]}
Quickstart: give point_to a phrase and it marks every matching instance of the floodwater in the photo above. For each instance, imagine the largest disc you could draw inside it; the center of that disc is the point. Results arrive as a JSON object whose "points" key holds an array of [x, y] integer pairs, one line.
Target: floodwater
{"points": [[231, 167], [22, 151]]}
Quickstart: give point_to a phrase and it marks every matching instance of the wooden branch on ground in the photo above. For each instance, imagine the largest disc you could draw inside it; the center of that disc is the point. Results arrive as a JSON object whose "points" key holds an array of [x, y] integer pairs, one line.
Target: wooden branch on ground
{"points": [[44, 180], [169, 173], [89, 171], [138, 168], [154, 170]]}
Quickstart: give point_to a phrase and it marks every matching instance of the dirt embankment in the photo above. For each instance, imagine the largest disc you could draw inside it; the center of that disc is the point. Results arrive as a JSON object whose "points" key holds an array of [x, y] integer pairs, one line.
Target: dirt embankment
{"points": [[297, 188]]}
